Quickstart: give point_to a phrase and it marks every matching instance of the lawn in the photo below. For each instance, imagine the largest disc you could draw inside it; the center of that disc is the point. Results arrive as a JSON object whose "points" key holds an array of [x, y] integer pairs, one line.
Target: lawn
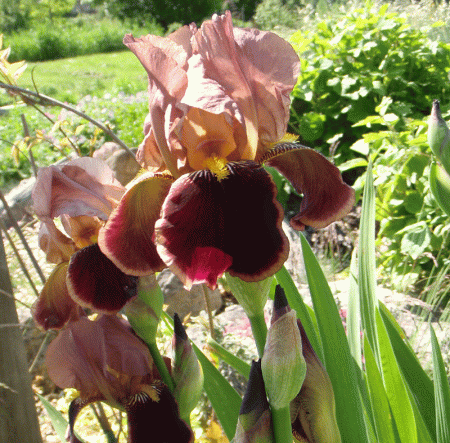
{"points": [[105, 85], [73, 78]]}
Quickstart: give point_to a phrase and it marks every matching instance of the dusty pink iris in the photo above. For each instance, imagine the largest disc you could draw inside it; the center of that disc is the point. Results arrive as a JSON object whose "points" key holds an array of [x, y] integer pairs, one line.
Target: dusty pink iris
{"points": [[105, 361], [219, 108], [82, 193]]}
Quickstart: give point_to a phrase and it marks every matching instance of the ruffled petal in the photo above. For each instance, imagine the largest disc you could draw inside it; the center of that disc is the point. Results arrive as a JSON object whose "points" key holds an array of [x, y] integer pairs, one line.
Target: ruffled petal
{"points": [[165, 60], [57, 247], [159, 419], [326, 198], [99, 358], [240, 72], [85, 186], [54, 307], [209, 226], [95, 282], [127, 237]]}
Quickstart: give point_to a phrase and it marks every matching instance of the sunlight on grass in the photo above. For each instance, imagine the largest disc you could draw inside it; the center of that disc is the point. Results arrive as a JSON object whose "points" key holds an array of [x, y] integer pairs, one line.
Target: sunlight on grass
{"points": [[73, 78]]}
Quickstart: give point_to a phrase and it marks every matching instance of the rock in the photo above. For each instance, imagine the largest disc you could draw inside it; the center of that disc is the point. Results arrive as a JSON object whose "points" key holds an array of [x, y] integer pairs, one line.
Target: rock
{"points": [[119, 160], [19, 201], [185, 302]]}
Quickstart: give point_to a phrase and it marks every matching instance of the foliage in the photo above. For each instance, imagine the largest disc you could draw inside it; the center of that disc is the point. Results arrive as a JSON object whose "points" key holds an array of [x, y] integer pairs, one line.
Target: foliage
{"points": [[413, 236], [72, 37], [164, 13], [14, 15], [354, 63], [273, 14]]}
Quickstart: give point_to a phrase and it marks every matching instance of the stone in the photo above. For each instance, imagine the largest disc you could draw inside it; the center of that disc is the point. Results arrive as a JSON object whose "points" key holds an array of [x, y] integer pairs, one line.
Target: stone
{"points": [[122, 163], [182, 301]]}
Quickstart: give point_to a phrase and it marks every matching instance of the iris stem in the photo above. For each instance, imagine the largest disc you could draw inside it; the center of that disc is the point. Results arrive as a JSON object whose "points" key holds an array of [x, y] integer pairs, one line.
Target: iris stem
{"points": [[161, 365], [282, 427], [259, 330]]}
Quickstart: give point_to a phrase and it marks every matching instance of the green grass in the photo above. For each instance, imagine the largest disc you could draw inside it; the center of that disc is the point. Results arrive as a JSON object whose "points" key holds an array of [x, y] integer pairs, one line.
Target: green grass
{"points": [[102, 76], [73, 78]]}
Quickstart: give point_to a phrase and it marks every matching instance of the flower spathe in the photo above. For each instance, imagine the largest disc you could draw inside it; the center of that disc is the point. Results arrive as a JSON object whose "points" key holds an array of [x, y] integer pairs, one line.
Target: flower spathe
{"points": [[219, 104], [105, 361]]}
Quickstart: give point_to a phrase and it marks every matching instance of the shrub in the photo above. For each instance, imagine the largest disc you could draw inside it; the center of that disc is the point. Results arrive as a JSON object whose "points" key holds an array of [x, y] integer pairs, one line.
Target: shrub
{"points": [[349, 64]]}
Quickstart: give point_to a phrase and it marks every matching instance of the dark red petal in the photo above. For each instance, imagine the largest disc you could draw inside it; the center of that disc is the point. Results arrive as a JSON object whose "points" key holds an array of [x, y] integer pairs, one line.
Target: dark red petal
{"points": [[126, 238], [54, 307], [326, 198], [156, 421], [209, 226], [95, 282]]}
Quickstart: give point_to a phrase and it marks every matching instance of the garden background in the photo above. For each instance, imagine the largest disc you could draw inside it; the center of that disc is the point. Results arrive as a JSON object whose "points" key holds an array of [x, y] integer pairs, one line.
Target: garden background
{"points": [[369, 75]]}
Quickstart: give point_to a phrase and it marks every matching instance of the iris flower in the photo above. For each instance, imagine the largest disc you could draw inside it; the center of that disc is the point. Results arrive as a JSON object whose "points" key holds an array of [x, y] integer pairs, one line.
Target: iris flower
{"points": [[218, 112], [82, 192], [104, 361]]}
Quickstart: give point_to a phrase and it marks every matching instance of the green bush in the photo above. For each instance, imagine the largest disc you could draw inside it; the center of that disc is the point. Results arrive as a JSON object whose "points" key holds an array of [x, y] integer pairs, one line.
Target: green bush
{"points": [[350, 63]]}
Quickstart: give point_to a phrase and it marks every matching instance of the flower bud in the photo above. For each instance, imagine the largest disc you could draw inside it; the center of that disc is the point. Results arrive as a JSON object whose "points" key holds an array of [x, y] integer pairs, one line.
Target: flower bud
{"points": [[313, 411], [439, 136], [254, 423], [144, 311], [187, 372], [440, 186], [252, 296], [283, 365]]}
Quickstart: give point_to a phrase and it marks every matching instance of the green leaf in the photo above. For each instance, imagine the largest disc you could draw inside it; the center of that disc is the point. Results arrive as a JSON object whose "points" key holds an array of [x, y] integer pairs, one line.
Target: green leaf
{"points": [[353, 314], [416, 239], [441, 392], [379, 401], [367, 265], [235, 362], [417, 379], [59, 423], [338, 360], [396, 388]]}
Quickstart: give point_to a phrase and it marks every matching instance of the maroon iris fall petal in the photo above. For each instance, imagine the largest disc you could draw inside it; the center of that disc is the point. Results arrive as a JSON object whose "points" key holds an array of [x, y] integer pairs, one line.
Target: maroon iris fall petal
{"points": [[326, 198], [156, 421], [210, 225], [95, 282]]}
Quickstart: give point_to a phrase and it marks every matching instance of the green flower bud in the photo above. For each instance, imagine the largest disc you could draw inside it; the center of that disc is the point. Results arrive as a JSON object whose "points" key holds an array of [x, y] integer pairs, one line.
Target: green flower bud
{"points": [[252, 296], [254, 423], [440, 186], [283, 365], [439, 136], [187, 372], [144, 311]]}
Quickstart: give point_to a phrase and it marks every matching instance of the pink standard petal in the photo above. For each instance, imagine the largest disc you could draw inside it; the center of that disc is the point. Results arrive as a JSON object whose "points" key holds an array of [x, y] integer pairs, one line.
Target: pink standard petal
{"points": [[84, 186], [326, 198]]}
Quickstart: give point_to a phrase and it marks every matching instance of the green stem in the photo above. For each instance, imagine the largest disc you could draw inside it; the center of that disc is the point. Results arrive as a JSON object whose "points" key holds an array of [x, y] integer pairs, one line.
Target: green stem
{"points": [[161, 365], [259, 329], [282, 427]]}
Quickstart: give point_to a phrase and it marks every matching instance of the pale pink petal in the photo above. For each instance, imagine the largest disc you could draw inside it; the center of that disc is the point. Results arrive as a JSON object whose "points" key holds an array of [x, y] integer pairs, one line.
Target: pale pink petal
{"points": [[84, 186]]}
